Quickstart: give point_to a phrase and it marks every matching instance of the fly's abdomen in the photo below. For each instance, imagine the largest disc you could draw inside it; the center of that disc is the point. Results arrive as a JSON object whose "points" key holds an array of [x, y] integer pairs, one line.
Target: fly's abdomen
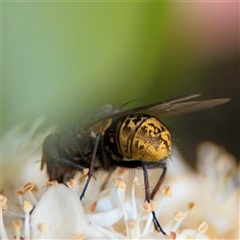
{"points": [[145, 138]]}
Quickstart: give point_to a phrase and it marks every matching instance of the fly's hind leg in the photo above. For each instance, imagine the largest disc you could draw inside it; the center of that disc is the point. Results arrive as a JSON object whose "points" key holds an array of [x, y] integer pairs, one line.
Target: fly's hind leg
{"points": [[149, 196]]}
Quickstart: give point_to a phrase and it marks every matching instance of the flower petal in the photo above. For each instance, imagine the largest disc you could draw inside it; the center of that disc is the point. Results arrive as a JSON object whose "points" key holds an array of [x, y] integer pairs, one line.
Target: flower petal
{"points": [[60, 210], [105, 219]]}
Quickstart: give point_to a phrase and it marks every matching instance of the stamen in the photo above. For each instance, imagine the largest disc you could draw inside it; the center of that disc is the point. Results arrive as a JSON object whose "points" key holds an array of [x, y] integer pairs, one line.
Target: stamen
{"points": [[3, 203], [135, 182], [167, 191], [131, 225], [42, 227], [3, 200], [121, 187], [202, 227], [71, 183], [84, 176], [28, 189], [153, 205], [147, 208], [17, 226], [51, 183], [178, 216], [173, 235], [192, 206], [27, 207], [191, 237], [79, 236], [119, 184], [147, 225], [19, 194]]}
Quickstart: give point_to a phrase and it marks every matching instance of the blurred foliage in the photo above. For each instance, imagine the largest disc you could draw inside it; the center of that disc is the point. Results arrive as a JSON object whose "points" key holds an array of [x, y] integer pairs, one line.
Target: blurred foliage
{"points": [[61, 59]]}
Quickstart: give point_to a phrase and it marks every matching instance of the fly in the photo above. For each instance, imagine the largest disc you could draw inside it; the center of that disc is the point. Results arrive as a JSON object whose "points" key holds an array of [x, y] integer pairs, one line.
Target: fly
{"points": [[133, 138]]}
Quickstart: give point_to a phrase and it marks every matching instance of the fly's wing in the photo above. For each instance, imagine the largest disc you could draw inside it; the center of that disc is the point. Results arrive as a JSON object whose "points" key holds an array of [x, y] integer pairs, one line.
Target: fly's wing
{"points": [[171, 107], [184, 108]]}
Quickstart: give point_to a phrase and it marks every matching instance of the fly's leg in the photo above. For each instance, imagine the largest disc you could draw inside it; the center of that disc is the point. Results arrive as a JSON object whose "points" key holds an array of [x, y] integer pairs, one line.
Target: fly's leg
{"points": [[149, 196], [91, 169], [160, 180]]}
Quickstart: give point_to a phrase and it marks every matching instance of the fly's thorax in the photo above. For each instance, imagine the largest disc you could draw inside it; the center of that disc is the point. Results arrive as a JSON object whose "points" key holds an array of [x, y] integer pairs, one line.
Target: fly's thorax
{"points": [[142, 137]]}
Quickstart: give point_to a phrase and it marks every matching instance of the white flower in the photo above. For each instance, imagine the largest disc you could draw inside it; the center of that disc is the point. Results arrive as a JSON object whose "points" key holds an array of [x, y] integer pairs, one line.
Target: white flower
{"points": [[218, 180], [21, 154], [62, 214], [117, 211]]}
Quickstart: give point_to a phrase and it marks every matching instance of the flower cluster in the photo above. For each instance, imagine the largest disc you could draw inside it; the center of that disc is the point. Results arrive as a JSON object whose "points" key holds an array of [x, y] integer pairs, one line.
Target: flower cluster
{"points": [[201, 205]]}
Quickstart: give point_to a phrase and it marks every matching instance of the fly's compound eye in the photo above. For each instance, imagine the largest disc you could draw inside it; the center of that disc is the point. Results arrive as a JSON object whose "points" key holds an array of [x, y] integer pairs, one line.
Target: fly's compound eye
{"points": [[144, 138]]}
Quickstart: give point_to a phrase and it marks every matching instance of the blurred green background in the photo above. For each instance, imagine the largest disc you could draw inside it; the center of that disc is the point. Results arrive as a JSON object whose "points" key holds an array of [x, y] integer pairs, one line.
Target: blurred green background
{"points": [[62, 59]]}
